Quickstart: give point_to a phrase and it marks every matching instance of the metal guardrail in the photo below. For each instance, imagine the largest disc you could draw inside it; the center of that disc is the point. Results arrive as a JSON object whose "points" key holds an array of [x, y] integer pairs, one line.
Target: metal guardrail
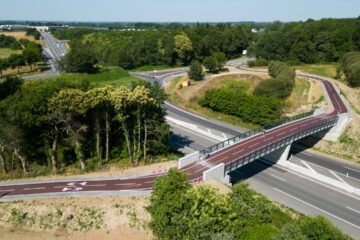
{"points": [[295, 134], [255, 131]]}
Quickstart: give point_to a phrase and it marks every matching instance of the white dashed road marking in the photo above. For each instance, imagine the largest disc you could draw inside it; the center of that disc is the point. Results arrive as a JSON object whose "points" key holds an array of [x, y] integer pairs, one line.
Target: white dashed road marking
{"points": [[37, 188]]}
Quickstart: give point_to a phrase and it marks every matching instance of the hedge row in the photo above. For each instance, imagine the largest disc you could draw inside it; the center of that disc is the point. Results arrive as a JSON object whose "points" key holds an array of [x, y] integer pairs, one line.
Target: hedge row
{"points": [[253, 109]]}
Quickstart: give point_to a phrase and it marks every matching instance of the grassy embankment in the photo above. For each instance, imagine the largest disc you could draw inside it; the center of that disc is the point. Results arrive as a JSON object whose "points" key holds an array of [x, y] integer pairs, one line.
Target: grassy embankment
{"points": [[304, 96]]}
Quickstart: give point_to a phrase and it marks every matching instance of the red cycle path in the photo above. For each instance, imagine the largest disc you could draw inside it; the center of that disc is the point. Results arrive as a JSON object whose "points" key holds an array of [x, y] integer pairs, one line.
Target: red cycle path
{"points": [[194, 170]]}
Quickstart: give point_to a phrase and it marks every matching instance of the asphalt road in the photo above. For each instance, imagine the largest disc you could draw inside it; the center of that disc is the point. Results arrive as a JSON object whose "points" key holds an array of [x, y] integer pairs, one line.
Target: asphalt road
{"points": [[53, 52]]}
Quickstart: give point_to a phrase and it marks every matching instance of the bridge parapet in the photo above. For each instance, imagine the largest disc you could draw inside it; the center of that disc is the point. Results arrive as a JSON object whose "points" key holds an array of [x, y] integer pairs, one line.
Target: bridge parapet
{"points": [[231, 141]]}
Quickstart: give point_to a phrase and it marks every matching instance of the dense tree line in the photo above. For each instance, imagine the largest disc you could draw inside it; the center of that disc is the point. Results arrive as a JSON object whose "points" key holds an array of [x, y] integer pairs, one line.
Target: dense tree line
{"points": [[282, 83], [350, 65], [178, 46], [252, 109], [325, 40], [179, 211], [56, 123]]}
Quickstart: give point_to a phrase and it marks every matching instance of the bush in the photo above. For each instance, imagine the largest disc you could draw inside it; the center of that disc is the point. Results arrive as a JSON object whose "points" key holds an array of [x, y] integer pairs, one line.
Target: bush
{"points": [[258, 63], [166, 203], [282, 83], [350, 64], [320, 228], [195, 72]]}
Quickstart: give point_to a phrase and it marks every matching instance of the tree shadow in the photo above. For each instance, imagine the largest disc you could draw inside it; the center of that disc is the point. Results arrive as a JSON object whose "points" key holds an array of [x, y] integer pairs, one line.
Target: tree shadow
{"points": [[4, 194], [178, 142]]}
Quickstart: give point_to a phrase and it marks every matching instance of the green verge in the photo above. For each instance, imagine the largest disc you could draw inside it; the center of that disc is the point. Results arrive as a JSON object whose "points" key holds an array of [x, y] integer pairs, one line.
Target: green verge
{"points": [[152, 68], [113, 76], [325, 70]]}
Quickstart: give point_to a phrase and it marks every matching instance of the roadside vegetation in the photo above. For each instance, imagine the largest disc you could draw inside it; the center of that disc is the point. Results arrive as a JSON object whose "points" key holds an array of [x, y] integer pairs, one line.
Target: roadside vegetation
{"points": [[179, 211]]}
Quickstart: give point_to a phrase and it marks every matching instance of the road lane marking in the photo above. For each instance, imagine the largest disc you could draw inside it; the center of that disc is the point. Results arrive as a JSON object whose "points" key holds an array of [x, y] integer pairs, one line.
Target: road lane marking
{"points": [[342, 180], [319, 209], [316, 182], [352, 169], [96, 185], [308, 154], [308, 166], [120, 184], [36, 188], [353, 209], [7, 190], [338, 173], [278, 178]]}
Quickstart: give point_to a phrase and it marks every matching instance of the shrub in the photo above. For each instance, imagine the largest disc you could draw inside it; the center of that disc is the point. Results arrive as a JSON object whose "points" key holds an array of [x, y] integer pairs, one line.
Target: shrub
{"points": [[282, 83], [350, 64], [195, 72], [258, 63]]}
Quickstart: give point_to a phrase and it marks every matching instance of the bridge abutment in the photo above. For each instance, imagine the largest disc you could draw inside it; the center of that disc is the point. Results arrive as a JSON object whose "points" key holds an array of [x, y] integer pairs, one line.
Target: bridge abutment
{"points": [[279, 156], [217, 173]]}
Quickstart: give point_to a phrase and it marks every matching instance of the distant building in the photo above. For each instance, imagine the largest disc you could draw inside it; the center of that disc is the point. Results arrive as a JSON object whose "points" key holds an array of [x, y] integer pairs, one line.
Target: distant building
{"points": [[254, 30]]}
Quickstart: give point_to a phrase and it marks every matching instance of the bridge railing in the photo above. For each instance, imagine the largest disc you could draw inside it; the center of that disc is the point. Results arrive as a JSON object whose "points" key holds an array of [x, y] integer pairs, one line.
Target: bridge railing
{"points": [[294, 135], [255, 131]]}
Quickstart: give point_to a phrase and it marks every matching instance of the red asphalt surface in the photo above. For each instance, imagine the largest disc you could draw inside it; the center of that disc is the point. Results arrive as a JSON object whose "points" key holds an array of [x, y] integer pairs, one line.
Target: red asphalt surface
{"points": [[195, 170]]}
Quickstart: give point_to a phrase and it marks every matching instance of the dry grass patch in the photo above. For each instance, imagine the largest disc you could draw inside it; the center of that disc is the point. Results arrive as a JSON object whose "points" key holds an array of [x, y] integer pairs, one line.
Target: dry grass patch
{"points": [[76, 218]]}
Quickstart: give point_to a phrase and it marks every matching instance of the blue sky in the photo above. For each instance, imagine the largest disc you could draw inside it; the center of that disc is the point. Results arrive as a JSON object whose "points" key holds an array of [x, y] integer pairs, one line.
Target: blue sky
{"points": [[179, 10]]}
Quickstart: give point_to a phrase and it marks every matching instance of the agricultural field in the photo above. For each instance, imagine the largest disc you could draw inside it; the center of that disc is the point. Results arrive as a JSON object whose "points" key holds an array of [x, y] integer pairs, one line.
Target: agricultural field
{"points": [[20, 35]]}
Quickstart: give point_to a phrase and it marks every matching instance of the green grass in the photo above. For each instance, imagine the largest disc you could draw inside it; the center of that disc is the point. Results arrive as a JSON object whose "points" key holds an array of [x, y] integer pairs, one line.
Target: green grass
{"points": [[6, 52], [114, 76], [152, 68], [325, 70]]}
